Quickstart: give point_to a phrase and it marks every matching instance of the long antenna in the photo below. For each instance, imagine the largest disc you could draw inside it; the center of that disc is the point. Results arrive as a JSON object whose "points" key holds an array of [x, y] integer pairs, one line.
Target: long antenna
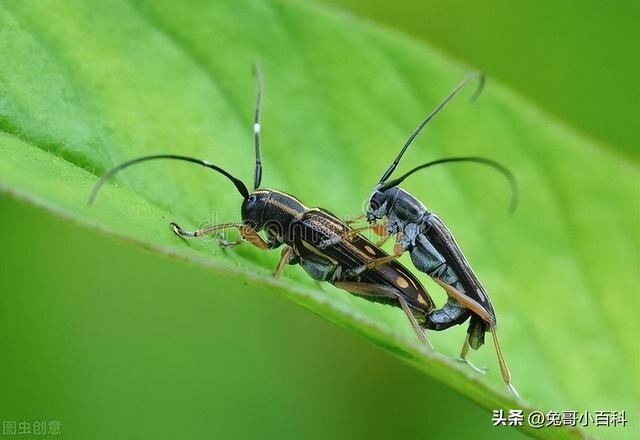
{"points": [[257, 176], [473, 75], [242, 189], [482, 160]]}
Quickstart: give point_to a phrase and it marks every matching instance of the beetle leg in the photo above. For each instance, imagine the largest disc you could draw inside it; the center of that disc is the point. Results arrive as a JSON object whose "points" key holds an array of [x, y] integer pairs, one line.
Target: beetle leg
{"points": [[223, 243], [380, 290], [375, 263], [352, 220], [246, 232], [204, 231], [251, 235], [352, 273], [414, 323], [338, 238], [480, 311], [284, 259], [356, 231], [398, 250], [380, 229], [506, 375], [469, 303], [463, 357]]}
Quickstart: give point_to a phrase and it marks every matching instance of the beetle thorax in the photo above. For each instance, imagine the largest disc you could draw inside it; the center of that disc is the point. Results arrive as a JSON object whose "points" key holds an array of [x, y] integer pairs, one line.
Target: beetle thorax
{"points": [[405, 209], [272, 211]]}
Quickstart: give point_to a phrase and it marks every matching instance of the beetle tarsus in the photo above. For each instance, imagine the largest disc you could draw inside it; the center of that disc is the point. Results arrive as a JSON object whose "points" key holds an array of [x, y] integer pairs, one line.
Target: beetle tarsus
{"points": [[181, 232], [481, 370], [463, 357], [226, 243], [513, 390]]}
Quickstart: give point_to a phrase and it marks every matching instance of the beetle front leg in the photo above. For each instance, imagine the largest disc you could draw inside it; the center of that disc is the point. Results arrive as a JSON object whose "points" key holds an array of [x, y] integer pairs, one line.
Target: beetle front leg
{"points": [[380, 229], [246, 233], [352, 220], [200, 232]]}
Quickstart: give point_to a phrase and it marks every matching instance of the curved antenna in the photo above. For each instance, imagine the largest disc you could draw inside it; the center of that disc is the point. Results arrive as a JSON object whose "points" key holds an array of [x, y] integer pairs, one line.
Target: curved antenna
{"points": [[257, 175], [242, 189], [482, 160], [470, 77]]}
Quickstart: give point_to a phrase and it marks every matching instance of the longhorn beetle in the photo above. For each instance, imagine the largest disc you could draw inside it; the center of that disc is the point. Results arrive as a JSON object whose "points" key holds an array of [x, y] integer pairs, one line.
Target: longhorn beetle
{"points": [[392, 211], [286, 221]]}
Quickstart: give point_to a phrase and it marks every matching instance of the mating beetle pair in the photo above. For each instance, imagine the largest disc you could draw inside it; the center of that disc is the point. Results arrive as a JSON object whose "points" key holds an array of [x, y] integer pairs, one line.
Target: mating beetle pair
{"points": [[329, 249]]}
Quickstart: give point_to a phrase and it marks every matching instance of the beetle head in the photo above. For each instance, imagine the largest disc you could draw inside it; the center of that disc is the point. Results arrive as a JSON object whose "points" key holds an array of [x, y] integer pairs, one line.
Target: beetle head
{"points": [[253, 209], [380, 202]]}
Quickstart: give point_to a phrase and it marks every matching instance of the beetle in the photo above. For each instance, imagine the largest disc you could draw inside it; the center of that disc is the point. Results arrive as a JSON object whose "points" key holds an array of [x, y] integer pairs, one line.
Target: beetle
{"points": [[285, 220], [392, 211]]}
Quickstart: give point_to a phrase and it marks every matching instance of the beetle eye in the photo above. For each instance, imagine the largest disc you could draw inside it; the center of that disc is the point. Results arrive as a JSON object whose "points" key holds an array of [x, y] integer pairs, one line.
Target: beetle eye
{"points": [[377, 200]]}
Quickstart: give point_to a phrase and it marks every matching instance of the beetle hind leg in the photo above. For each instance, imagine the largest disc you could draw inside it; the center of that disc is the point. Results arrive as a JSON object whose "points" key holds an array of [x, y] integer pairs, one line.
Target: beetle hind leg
{"points": [[482, 313], [414, 323], [506, 375], [365, 289]]}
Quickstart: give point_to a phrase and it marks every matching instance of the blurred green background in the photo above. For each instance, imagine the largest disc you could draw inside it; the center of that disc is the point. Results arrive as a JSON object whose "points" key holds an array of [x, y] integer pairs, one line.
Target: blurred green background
{"points": [[578, 60], [79, 311]]}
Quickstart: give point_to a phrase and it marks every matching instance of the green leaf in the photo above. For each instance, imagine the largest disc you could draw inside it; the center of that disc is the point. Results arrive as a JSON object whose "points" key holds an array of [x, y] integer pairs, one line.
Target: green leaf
{"points": [[86, 86]]}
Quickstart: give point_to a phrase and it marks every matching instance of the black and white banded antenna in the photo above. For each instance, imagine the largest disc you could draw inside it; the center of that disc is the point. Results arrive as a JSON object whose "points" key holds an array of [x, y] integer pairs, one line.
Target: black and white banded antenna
{"points": [[257, 175]]}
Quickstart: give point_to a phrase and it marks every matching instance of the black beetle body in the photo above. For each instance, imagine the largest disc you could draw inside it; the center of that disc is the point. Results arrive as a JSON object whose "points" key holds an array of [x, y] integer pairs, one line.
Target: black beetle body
{"points": [[433, 249]]}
